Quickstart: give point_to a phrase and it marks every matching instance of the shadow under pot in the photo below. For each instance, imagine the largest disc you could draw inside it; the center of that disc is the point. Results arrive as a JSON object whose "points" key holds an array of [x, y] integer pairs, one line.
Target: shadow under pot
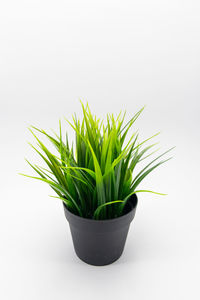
{"points": [[101, 242]]}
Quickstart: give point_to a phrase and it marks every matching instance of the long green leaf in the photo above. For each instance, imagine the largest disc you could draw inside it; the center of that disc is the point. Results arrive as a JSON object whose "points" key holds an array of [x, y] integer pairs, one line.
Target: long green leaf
{"points": [[124, 201], [99, 178], [57, 187], [99, 209]]}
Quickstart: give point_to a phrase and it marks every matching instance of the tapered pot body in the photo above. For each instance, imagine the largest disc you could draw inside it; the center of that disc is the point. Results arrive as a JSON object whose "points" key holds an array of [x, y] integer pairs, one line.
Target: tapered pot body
{"points": [[100, 242]]}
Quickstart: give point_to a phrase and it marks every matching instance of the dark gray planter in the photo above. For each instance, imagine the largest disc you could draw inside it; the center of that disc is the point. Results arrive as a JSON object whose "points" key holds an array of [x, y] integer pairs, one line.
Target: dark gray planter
{"points": [[100, 242]]}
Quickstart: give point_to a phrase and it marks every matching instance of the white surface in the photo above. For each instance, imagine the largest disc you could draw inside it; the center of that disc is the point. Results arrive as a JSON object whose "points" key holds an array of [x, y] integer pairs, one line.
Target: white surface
{"points": [[117, 55]]}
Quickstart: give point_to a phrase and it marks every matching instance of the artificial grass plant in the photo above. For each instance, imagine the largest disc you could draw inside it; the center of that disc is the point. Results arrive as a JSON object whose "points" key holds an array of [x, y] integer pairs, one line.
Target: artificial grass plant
{"points": [[96, 179]]}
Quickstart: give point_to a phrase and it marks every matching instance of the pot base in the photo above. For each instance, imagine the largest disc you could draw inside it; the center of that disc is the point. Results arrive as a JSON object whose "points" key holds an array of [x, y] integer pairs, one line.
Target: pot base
{"points": [[97, 264], [101, 250]]}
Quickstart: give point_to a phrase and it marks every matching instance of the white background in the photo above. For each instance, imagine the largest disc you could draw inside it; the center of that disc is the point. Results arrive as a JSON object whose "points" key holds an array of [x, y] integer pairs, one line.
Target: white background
{"points": [[115, 55]]}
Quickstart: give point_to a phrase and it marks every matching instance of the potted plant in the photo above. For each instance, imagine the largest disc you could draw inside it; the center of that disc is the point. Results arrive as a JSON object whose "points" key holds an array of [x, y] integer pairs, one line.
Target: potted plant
{"points": [[97, 181]]}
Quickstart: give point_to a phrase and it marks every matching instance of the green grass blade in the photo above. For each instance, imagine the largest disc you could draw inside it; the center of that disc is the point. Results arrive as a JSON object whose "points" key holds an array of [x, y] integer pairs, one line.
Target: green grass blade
{"points": [[90, 172], [124, 201], [99, 179], [67, 202], [130, 123], [137, 180], [153, 162], [57, 187], [99, 209]]}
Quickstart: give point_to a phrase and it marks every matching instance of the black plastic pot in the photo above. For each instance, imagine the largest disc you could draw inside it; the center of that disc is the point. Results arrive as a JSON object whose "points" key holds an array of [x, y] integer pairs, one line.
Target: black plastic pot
{"points": [[100, 242]]}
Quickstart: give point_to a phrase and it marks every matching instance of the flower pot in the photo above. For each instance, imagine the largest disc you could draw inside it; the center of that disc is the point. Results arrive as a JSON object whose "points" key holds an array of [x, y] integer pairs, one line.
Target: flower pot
{"points": [[100, 242]]}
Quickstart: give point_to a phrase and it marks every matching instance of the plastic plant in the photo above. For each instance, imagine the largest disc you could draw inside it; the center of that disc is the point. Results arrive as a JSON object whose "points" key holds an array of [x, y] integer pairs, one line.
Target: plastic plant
{"points": [[97, 179]]}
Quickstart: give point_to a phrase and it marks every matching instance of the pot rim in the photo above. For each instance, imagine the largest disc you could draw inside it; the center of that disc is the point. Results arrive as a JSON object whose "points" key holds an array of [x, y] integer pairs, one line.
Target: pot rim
{"points": [[133, 207]]}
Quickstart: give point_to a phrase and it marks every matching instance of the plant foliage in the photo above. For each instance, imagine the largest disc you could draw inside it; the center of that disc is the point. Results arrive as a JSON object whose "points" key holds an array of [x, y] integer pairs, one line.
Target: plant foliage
{"points": [[98, 178]]}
